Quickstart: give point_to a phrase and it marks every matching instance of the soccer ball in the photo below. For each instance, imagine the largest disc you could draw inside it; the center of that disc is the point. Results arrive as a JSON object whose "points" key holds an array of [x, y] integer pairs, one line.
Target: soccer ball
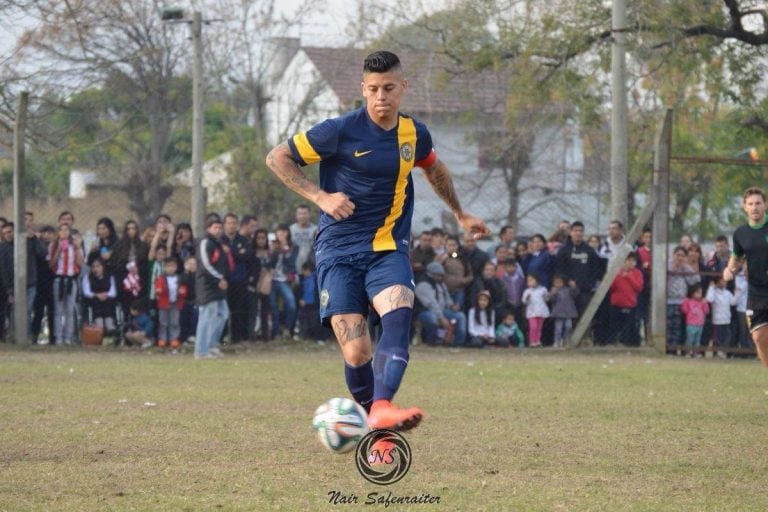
{"points": [[340, 423]]}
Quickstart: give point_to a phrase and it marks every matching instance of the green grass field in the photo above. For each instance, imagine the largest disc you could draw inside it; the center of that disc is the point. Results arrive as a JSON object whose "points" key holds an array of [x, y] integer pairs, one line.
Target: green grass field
{"points": [[89, 430]]}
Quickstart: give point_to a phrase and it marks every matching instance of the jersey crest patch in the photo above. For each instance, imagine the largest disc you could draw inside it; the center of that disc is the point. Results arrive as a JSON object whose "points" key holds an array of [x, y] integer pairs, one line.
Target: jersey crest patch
{"points": [[324, 297], [406, 152]]}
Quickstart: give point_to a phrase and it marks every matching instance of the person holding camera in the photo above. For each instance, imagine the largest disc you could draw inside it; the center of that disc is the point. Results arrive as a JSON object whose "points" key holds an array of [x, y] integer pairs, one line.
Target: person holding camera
{"points": [[458, 271]]}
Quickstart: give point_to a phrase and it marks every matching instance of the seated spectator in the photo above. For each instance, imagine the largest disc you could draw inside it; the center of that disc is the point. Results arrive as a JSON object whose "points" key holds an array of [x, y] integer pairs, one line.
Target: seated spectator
{"points": [[442, 321], [508, 333], [100, 295], [482, 321], [140, 325]]}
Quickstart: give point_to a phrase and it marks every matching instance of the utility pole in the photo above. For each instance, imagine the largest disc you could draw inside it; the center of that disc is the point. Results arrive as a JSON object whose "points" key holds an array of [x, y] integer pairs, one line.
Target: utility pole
{"points": [[198, 201], [20, 314], [619, 131], [175, 15]]}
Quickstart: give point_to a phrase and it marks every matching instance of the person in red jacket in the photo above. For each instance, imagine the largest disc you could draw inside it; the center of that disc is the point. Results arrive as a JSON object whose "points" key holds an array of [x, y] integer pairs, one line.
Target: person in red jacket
{"points": [[170, 293], [624, 292]]}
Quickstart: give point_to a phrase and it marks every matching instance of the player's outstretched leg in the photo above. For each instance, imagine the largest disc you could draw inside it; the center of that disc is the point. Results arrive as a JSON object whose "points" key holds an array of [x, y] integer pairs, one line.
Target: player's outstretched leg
{"points": [[389, 364]]}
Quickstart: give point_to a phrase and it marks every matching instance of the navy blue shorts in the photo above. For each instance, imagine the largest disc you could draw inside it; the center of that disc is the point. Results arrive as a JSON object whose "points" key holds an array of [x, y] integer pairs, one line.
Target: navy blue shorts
{"points": [[348, 283]]}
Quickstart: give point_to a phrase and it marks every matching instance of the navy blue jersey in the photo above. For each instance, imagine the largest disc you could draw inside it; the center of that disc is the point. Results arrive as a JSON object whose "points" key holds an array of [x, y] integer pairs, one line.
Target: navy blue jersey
{"points": [[373, 167]]}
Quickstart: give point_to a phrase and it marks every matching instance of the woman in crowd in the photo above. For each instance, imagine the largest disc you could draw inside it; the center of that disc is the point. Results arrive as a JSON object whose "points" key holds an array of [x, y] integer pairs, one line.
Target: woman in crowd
{"points": [[184, 243], [104, 246], [262, 272]]}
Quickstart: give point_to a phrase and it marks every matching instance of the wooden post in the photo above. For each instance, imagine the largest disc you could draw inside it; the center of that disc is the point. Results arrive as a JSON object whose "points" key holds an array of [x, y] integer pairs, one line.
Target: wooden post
{"points": [[659, 256], [20, 314], [614, 265]]}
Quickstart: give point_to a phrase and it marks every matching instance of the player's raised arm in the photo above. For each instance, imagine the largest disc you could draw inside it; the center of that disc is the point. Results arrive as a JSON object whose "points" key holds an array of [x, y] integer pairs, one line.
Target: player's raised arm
{"points": [[440, 178], [281, 162]]}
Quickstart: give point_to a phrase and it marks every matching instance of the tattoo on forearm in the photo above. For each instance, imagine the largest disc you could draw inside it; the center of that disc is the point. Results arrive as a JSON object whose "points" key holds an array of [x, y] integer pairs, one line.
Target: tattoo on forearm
{"points": [[400, 297], [442, 184], [346, 332], [289, 172]]}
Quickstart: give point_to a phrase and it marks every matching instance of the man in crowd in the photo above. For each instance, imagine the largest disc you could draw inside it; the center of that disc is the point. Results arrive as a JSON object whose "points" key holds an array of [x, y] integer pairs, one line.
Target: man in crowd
{"points": [[303, 233]]}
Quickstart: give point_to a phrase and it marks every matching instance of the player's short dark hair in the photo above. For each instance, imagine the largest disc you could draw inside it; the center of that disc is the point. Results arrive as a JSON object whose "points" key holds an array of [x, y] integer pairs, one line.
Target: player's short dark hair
{"points": [[753, 191], [381, 62]]}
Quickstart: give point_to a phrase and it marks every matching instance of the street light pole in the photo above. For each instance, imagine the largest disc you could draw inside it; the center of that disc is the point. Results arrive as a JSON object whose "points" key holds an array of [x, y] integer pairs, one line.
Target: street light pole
{"points": [[198, 201]]}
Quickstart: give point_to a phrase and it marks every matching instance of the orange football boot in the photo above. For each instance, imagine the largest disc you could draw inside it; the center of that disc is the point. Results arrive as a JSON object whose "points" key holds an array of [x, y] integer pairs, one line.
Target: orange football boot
{"points": [[385, 415]]}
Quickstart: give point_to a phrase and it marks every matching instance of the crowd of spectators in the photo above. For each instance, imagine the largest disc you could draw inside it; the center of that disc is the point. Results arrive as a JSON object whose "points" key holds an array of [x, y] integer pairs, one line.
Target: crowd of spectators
{"points": [[149, 287]]}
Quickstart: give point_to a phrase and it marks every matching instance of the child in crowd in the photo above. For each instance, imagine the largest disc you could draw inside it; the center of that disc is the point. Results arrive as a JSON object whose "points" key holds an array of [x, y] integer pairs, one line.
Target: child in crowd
{"points": [[514, 284], [508, 333], [188, 314], [695, 309], [101, 295], [131, 283], [170, 294], [563, 300], [309, 305], [156, 270], [743, 338], [623, 299], [482, 320], [721, 300], [140, 326], [536, 311]]}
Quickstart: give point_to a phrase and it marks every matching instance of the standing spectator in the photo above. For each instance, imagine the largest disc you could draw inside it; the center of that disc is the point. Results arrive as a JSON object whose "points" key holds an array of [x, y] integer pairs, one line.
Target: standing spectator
{"points": [[643, 251], [539, 261], [437, 310], [65, 258], [721, 300], [744, 341], [502, 254], [104, 246], [303, 233], [100, 295], [43, 305], [437, 241], [487, 280], [718, 260], [422, 255], [613, 241], [248, 227], [685, 241], [521, 250], [309, 306], [477, 258], [189, 313], [458, 272], [578, 263], [482, 321], [506, 239], [514, 284], [171, 295], [283, 264], [623, 299], [263, 257], [211, 291], [563, 300], [535, 298], [6, 274], [240, 250], [163, 238], [680, 278], [695, 310], [130, 248], [184, 242]]}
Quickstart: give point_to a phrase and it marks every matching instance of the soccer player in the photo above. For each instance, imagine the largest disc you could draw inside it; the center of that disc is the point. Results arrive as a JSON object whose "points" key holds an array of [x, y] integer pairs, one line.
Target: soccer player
{"points": [[750, 244], [366, 194]]}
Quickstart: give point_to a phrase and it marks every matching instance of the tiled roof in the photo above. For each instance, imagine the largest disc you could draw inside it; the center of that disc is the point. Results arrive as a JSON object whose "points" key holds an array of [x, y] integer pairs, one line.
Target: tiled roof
{"points": [[435, 84]]}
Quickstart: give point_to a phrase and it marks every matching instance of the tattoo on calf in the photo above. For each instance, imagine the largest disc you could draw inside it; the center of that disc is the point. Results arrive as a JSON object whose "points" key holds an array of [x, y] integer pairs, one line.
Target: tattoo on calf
{"points": [[347, 332]]}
